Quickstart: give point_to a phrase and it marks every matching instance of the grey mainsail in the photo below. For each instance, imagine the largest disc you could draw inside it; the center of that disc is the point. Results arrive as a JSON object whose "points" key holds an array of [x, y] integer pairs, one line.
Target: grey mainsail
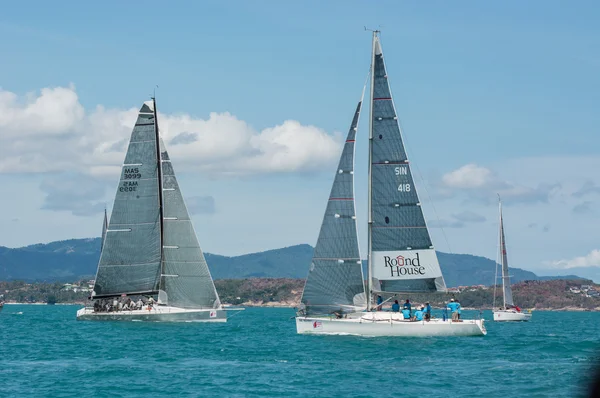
{"points": [[130, 261], [186, 278], [401, 254], [507, 291], [335, 279]]}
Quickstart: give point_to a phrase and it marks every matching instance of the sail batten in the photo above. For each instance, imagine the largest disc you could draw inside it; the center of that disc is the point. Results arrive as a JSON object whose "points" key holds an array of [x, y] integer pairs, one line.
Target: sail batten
{"points": [[402, 257], [335, 278]]}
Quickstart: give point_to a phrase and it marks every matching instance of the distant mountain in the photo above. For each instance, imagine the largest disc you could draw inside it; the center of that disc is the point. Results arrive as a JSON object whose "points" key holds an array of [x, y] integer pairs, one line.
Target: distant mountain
{"points": [[78, 258]]}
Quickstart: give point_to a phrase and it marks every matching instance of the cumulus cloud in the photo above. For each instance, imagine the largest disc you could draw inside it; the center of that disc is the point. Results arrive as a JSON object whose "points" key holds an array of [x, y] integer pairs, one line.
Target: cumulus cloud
{"points": [[50, 131], [469, 176], [483, 184], [201, 204], [590, 260]]}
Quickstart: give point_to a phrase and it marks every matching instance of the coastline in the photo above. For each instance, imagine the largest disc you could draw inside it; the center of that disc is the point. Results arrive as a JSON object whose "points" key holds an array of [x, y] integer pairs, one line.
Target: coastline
{"points": [[275, 304]]}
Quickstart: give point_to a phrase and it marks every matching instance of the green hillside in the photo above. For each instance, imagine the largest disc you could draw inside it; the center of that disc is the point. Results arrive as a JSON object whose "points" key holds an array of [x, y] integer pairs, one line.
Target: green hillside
{"points": [[74, 259]]}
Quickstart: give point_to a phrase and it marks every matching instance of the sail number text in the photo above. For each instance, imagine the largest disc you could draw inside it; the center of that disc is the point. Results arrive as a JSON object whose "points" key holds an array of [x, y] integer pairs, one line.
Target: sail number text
{"points": [[130, 174], [128, 186], [402, 171]]}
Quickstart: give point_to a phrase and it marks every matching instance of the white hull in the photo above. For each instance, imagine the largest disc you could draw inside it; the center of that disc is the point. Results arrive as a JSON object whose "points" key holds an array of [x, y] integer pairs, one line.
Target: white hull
{"points": [[511, 316], [155, 314], [388, 324]]}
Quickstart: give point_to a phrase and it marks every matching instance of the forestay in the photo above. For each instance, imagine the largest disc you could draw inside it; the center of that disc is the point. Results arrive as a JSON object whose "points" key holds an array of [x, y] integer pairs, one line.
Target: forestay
{"points": [[131, 255], [402, 257], [335, 279], [186, 277]]}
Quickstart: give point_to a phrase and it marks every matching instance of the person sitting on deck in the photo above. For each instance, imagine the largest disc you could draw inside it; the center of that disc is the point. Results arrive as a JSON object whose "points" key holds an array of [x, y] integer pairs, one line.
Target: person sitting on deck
{"points": [[139, 304], [396, 306], [407, 306], [427, 312], [406, 313], [419, 314]]}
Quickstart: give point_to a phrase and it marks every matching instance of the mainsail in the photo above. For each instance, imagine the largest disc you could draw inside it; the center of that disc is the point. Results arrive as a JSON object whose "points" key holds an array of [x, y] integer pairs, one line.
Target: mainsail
{"points": [[130, 262], [401, 254], [186, 278], [335, 279], [507, 291]]}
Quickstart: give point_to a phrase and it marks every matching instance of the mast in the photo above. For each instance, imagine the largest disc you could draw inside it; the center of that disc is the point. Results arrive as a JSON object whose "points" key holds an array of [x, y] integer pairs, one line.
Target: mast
{"points": [[370, 219], [160, 191], [503, 254]]}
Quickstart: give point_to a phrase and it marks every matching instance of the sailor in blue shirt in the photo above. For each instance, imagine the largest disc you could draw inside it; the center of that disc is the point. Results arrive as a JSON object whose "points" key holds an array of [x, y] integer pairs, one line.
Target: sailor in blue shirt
{"points": [[406, 313], [427, 311], [407, 306], [454, 307], [396, 306], [419, 314]]}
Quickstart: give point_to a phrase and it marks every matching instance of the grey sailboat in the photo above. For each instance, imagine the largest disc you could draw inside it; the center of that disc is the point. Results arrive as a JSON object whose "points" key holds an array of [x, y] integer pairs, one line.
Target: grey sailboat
{"points": [[401, 256], [151, 266]]}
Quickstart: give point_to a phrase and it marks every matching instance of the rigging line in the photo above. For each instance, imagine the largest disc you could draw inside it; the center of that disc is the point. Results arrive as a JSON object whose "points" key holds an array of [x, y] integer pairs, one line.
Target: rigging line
{"points": [[416, 164]]}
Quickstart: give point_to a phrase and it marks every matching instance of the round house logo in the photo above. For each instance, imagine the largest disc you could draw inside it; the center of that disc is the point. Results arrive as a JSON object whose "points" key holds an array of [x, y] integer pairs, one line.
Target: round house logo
{"points": [[401, 265]]}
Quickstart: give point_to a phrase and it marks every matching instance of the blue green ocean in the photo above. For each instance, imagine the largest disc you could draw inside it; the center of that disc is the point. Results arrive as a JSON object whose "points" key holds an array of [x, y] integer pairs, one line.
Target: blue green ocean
{"points": [[45, 352]]}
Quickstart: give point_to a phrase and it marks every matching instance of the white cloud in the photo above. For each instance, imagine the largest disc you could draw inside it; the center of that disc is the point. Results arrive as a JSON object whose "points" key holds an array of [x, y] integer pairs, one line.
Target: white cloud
{"points": [[590, 260], [52, 132], [468, 176], [483, 184]]}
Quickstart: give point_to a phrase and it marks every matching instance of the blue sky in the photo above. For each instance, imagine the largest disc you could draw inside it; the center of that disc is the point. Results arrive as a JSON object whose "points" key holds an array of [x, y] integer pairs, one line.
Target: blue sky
{"points": [[492, 97]]}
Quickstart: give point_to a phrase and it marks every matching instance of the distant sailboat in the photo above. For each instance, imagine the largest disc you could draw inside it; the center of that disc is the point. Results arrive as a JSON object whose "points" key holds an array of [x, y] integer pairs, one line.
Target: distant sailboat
{"points": [[149, 246], [401, 256], [509, 311], [104, 228]]}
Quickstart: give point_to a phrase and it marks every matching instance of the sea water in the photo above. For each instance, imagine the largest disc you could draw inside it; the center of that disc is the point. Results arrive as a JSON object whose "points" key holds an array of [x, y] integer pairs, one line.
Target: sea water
{"points": [[45, 352]]}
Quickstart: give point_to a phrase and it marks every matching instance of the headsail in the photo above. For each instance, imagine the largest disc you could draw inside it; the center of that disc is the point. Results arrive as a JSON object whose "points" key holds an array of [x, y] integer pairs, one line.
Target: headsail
{"points": [[186, 278], [104, 228], [130, 261], [335, 280], [402, 257], [508, 298]]}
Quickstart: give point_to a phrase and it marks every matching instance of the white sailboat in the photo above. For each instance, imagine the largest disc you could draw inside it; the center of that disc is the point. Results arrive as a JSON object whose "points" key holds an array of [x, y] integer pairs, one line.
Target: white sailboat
{"points": [[401, 256], [509, 311], [151, 266]]}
